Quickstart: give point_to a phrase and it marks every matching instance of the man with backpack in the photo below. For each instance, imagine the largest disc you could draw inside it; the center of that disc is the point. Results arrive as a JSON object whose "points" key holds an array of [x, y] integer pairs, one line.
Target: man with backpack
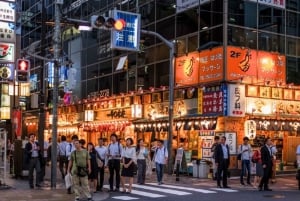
{"points": [[161, 158], [114, 151]]}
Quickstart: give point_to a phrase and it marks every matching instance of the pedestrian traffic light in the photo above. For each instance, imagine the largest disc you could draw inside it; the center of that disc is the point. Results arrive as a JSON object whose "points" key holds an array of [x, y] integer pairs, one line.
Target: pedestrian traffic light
{"points": [[101, 22], [23, 67]]}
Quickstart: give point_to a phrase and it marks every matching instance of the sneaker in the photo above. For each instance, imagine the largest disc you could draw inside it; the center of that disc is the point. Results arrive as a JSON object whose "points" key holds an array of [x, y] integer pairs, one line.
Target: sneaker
{"points": [[77, 199]]}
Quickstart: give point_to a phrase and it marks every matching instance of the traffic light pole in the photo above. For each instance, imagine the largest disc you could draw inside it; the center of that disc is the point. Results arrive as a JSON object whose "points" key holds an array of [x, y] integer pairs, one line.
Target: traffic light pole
{"points": [[56, 49], [171, 46]]}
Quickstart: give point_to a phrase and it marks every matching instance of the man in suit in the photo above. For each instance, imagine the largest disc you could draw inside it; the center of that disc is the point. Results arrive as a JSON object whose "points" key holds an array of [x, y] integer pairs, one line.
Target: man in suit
{"points": [[266, 157], [222, 160], [33, 154]]}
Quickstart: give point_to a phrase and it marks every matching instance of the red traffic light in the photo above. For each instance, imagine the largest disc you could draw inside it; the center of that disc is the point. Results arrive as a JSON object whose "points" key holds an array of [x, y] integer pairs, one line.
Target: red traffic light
{"points": [[119, 24], [23, 65]]}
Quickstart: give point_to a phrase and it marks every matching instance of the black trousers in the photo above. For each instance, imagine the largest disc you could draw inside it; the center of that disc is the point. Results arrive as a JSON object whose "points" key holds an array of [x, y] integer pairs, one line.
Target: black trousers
{"points": [[63, 165], [266, 176], [114, 168], [34, 164], [222, 172], [100, 177]]}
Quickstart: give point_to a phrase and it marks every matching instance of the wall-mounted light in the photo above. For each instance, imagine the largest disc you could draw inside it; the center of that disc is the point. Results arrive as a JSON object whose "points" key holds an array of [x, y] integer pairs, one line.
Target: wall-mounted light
{"points": [[89, 115]]}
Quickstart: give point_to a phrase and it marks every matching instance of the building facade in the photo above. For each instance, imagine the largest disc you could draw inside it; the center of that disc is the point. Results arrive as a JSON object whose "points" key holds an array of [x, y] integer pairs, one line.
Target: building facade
{"points": [[211, 35]]}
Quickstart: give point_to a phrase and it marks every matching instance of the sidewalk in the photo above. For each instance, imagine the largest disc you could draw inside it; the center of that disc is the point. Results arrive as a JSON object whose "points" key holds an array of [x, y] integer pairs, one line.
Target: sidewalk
{"points": [[19, 190]]}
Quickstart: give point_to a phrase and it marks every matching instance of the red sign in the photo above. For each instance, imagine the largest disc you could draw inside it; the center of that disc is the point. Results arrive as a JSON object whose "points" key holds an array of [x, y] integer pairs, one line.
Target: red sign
{"points": [[17, 122], [187, 68], [213, 102]]}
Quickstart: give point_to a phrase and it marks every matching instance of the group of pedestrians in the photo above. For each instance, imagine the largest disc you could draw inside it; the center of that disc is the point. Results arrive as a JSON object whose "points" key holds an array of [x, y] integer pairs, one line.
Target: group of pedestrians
{"points": [[263, 158], [87, 166]]}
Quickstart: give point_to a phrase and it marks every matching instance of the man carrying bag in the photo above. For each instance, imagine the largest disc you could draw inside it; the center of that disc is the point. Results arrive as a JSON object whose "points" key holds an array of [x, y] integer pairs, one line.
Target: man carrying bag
{"points": [[80, 166]]}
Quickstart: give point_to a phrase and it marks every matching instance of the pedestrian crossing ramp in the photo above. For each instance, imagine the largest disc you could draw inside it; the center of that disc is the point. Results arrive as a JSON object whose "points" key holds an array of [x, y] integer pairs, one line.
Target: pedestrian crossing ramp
{"points": [[153, 190]]}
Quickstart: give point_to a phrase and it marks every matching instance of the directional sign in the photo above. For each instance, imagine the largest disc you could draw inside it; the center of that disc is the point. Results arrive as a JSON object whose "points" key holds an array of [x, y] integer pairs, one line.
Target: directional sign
{"points": [[129, 37]]}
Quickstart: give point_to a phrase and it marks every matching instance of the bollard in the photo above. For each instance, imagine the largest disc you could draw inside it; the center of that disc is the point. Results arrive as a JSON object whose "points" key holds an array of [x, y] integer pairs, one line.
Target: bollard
{"points": [[177, 170]]}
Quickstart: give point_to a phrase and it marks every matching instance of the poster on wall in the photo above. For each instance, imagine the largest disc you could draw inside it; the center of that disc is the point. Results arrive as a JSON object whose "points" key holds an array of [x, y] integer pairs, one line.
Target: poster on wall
{"points": [[7, 32], [7, 52], [230, 140], [236, 100], [6, 71]]}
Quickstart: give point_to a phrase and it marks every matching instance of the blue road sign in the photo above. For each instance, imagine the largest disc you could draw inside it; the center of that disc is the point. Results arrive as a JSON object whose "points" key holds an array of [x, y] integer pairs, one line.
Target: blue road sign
{"points": [[129, 37]]}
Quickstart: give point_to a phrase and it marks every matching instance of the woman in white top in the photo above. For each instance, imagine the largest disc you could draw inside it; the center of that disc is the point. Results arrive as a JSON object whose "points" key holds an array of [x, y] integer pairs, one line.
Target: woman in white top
{"points": [[142, 155], [129, 161]]}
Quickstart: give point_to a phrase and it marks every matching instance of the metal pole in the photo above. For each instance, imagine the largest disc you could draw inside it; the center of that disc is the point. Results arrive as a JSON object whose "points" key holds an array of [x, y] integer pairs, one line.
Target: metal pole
{"points": [[56, 49], [171, 94]]}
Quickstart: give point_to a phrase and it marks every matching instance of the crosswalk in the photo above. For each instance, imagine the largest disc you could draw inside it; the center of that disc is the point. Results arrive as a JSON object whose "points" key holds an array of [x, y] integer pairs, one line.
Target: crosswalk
{"points": [[153, 190]]}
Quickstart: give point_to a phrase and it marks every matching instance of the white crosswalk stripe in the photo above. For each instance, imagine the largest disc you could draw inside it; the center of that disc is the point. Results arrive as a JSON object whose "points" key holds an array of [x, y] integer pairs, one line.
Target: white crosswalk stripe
{"points": [[164, 190], [184, 188]]}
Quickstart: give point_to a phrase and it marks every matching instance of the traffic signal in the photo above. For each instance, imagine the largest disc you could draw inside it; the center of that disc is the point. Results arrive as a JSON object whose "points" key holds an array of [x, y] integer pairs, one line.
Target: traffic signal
{"points": [[101, 22], [23, 67]]}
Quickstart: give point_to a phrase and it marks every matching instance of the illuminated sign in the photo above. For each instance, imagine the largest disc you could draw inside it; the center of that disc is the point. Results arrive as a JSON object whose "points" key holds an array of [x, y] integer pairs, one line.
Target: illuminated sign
{"points": [[7, 32], [236, 100], [6, 71], [7, 52], [274, 3], [129, 37], [187, 68], [7, 11]]}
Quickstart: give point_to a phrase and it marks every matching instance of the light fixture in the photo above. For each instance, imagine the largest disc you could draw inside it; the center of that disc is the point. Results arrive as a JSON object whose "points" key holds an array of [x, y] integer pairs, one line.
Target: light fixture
{"points": [[89, 115]]}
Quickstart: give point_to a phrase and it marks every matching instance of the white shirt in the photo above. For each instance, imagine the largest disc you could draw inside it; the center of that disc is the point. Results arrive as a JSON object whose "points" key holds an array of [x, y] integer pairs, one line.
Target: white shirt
{"points": [[129, 152], [62, 148], [114, 150], [70, 149], [142, 154], [46, 145], [246, 155], [102, 151], [225, 151], [298, 150], [35, 151], [160, 155]]}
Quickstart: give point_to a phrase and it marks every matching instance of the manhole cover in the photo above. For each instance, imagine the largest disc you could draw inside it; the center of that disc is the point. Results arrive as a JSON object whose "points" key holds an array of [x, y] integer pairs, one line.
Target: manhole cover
{"points": [[275, 196]]}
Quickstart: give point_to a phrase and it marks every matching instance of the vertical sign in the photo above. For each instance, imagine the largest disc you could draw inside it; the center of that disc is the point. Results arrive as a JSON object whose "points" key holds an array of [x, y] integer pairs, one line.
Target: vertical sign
{"points": [[129, 37], [17, 122], [236, 100], [200, 101]]}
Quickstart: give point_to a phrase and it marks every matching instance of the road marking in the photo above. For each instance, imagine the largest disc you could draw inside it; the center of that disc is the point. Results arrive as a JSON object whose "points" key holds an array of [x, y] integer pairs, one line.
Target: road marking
{"points": [[164, 190], [124, 198], [184, 188], [142, 193], [225, 190]]}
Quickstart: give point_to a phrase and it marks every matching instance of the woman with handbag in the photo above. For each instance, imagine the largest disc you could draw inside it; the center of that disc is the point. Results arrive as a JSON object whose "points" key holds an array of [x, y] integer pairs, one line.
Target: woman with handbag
{"points": [[94, 167], [129, 162], [142, 156]]}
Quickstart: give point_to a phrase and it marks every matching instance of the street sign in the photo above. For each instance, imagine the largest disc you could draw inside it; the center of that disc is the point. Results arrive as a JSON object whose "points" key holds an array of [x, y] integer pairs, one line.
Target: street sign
{"points": [[129, 37]]}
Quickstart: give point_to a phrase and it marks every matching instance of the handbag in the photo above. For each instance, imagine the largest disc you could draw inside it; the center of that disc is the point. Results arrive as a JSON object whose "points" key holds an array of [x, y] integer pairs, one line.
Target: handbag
{"points": [[99, 161], [81, 171]]}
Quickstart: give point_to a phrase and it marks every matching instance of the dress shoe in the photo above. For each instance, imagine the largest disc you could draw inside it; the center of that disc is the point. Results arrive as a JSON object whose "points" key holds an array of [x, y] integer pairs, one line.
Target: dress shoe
{"points": [[219, 186], [31, 187], [259, 188], [116, 190], [38, 185], [226, 187], [242, 183], [267, 189]]}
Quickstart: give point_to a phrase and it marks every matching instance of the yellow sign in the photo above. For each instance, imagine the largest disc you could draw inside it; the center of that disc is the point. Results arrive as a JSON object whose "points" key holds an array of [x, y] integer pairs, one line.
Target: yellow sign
{"points": [[200, 101]]}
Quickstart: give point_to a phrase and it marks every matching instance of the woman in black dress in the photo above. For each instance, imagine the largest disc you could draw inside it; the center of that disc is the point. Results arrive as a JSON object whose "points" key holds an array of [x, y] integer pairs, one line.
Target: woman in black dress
{"points": [[94, 167], [129, 163]]}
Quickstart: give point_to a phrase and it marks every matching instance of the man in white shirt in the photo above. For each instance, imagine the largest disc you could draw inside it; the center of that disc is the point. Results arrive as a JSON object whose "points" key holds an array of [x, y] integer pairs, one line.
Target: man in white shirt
{"points": [[114, 151], [70, 148], [298, 155], [62, 156], [101, 153], [161, 158], [246, 152]]}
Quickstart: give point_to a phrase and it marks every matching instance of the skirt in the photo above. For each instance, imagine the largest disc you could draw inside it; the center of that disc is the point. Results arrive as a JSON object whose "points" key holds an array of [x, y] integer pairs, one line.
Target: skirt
{"points": [[128, 172], [259, 170]]}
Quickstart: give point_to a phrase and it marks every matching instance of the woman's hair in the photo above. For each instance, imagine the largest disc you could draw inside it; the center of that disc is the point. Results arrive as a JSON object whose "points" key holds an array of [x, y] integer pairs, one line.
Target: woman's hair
{"points": [[138, 147], [93, 147], [131, 140]]}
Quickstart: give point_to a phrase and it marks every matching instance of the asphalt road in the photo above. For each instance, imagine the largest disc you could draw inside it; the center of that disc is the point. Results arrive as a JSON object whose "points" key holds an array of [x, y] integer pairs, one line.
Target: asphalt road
{"points": [[284, 190]]}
